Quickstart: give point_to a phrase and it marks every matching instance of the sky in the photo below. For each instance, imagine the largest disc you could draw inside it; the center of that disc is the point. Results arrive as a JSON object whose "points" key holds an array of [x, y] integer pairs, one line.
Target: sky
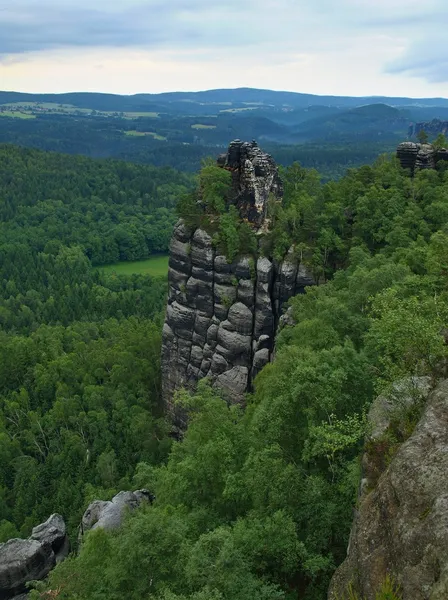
{"points": [[340, 47]]}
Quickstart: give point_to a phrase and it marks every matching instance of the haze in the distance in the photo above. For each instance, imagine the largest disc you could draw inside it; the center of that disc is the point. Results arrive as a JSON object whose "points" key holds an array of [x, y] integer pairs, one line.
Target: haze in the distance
{"points": [[344, 47]]}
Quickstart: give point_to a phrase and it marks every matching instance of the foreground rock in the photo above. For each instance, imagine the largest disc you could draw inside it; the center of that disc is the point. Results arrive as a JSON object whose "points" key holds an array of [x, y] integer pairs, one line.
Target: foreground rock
{"points": [[221, 318], [109, 514], [401, 527], [22, 561], [53, 532]]}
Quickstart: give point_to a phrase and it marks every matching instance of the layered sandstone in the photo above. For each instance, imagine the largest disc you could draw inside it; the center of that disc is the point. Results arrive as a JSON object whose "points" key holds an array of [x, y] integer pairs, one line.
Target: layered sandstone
{"points": [[222, 317]]}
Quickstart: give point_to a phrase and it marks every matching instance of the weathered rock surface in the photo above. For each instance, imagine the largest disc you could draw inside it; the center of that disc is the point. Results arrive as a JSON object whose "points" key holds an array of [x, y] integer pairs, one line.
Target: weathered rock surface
{"points": [[32, 559], [401, 526], [53, 532], [22, 561], [254, 176], [221, 318], [109, 514]]}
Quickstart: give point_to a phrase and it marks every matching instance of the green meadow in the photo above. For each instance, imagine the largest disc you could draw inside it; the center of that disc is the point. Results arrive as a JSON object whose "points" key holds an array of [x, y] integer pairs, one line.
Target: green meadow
{"points": [[201, 126], [157, 266], [15, 114], [152, 134]]}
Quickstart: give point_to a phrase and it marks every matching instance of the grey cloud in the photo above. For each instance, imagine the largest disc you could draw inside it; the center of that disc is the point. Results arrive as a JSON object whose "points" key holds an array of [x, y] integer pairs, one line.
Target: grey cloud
{"points": [[31, 26], [272, 30], [426, 59]]}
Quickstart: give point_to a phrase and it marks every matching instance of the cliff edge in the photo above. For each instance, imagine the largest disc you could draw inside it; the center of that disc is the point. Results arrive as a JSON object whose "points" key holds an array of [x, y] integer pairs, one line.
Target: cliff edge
{"points": [[401, 526]]}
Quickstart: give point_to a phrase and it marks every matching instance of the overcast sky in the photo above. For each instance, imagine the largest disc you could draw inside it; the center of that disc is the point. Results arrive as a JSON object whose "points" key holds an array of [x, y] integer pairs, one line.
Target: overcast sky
{"points": [[343, 47]]}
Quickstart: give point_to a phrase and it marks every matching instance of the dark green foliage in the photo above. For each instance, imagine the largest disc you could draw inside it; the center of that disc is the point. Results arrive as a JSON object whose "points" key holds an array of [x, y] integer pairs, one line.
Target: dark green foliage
{"points": [[79, 353], [113, 210]]}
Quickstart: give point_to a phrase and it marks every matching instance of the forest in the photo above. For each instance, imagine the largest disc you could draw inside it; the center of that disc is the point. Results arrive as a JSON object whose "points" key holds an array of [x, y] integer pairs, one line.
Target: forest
{"points": [[250, 504]]}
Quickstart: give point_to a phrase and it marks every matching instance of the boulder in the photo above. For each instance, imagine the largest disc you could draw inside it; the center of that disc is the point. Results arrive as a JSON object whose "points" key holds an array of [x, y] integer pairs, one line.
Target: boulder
{"points": [[22, 561], [109, 514], [53, 532]]}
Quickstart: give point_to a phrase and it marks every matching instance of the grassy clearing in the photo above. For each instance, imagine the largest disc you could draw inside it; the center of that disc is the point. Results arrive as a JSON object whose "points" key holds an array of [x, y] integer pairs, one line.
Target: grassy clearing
{"points": [[157, 266], [235, 110], [135, 115], [152, 134], [201, 126], [16, 114]]}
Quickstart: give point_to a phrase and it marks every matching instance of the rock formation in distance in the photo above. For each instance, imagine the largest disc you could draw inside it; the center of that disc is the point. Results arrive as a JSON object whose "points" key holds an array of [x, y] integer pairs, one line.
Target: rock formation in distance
{"points": [[415, 156]]}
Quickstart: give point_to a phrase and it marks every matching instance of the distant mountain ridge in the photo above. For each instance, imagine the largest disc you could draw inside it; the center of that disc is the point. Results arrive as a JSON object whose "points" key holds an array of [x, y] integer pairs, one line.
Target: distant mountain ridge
{"points": [[100, 101]]}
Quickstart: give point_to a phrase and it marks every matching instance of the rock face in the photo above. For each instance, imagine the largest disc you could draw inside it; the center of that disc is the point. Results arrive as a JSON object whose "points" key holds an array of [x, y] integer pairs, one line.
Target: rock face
{"points": [[109, 514], [254, 178], [32, 559], [53, 532], [221, 318], [401, 526], [419, 156], [433, 127]]}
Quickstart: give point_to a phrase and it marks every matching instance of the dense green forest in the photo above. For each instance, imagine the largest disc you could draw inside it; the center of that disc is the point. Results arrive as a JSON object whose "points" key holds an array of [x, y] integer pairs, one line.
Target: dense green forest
{"points": [[79, 348], [255, 503], [113, 210], [184, 147]]}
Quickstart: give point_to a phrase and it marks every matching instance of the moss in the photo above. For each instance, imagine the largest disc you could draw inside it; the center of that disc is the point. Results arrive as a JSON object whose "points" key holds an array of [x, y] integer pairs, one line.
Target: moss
{"points": [[226, 302], [389, 590]]}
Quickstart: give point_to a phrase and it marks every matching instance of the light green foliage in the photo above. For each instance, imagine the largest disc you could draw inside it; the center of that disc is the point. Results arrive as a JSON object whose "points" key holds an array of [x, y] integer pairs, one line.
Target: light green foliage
{"points": [[389, 591], [440, 142], [214, 187], [422, 136], [405, 336], [156, 266], [209, 208]]}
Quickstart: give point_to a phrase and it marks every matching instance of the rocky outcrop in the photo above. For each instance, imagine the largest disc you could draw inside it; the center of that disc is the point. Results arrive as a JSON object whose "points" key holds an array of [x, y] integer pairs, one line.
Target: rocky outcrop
{"points": [[432, 128], [53, 532], [22, 561], [221, 318], [254, 179], [420, 156], [401, 525], [109, 514]]}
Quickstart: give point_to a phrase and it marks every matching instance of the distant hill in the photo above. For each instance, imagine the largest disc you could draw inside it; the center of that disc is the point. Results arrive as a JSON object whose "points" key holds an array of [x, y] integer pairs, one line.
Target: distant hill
{"points": [[240, 96], [180, 128]]}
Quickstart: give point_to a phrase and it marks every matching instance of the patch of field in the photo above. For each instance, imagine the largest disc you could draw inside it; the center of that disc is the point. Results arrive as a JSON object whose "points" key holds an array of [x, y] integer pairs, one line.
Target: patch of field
{"points": [[201, 126], [16, 114], [234, 110], [157, 266], [135, 115], [152, 134]]}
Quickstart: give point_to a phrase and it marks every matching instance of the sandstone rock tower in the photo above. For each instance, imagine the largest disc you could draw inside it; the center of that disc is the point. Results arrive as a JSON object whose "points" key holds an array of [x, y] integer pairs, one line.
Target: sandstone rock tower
{"points": [[221, 318], [415, 156]]}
